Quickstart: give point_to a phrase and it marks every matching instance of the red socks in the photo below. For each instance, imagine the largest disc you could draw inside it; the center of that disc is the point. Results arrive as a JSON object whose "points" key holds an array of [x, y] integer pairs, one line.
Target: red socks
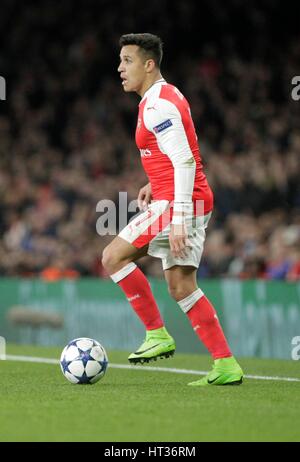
{"points": [[204, 320], [199, 310], [138, 292]]}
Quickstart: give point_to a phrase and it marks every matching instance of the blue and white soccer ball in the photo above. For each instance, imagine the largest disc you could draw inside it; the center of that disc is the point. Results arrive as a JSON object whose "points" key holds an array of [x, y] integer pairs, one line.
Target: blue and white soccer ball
{"points": [[83, 361]]}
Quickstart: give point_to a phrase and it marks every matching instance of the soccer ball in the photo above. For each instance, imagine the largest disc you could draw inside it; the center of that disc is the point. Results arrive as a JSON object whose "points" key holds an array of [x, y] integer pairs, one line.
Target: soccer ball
{"points": [[83, 361]]}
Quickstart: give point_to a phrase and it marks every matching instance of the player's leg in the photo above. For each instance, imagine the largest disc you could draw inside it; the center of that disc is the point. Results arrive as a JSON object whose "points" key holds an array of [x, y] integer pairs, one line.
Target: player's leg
{"points": [[182, 285], [118, 260], [119, 253]]}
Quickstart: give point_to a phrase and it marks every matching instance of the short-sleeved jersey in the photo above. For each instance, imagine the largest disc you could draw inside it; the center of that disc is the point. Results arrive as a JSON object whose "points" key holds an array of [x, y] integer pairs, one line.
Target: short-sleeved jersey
{"points": [[166, 138]]}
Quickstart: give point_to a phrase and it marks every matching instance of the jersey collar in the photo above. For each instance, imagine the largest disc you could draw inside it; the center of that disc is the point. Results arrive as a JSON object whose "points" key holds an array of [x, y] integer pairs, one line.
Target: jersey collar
{"points": [[152, 88]]}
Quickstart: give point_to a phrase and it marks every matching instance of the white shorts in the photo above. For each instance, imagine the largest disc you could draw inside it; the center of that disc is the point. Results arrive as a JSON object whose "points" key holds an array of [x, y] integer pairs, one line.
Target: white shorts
{"points": [[152, 228]]}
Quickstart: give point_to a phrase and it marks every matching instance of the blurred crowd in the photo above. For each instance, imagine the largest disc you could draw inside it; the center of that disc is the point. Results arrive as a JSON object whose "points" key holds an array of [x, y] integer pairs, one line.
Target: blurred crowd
{"points": [[67, 132]]}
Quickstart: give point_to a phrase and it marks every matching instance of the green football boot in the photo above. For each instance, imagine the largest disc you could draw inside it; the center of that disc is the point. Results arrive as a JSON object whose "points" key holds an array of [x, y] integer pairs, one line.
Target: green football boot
{"points": [[226, 371], [157, 344]]}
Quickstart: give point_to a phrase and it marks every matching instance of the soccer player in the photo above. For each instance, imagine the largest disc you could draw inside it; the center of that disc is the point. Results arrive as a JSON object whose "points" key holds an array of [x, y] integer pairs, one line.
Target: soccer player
{"points": [[171, 225]]}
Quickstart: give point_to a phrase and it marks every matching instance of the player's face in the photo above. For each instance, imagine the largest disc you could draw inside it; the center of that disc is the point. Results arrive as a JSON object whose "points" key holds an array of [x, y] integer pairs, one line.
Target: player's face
{"points": [[132, 68]]}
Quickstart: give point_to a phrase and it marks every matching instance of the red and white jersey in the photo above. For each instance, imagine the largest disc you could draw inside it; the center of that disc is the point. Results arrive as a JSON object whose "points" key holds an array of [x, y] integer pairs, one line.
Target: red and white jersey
{"points": [[166, 138]]}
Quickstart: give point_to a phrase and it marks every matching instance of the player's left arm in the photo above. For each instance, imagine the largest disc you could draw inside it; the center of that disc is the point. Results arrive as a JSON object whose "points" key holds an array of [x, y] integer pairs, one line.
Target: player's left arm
{"points": [[166, 123]]}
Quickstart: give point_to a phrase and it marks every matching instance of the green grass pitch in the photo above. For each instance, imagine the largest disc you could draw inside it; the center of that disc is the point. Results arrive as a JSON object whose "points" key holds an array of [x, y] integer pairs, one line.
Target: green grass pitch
{"points": [[38, 404]]}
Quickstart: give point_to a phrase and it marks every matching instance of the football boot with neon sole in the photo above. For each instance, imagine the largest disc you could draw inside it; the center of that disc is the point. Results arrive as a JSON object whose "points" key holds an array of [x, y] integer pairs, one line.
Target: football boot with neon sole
{"points": [[226, 371], [157, 344]]}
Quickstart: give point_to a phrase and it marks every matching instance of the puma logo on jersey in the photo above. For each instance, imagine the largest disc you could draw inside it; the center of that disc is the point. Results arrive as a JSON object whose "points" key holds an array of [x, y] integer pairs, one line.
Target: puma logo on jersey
{"points": [[152, 107]]}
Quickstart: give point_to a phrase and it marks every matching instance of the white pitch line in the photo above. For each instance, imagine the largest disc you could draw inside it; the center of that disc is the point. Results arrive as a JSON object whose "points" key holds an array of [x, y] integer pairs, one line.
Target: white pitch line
{"points": [[32, 359]]}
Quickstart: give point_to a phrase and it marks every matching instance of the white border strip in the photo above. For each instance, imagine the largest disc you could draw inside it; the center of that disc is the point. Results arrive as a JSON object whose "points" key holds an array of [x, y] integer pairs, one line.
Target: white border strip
{"points": [[32, 359]]}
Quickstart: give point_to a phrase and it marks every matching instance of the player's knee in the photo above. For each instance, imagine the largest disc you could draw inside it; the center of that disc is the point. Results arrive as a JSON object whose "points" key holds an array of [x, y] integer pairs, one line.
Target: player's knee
{"points": [[178, 292], [105, 258], [110, 259], [113, 260]]}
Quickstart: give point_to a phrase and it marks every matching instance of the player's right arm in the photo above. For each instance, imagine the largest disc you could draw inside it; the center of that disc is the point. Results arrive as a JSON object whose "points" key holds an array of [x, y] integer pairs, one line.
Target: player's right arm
{"points": [[144, 196]]}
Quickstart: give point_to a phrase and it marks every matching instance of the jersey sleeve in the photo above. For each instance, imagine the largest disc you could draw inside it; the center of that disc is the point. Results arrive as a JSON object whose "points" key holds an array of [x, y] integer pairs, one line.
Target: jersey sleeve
{"points": [[164, 120]]}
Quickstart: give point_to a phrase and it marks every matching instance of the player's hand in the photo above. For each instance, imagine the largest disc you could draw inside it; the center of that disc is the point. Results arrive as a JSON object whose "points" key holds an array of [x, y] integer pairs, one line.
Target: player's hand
{"points": [[179, 242], [144, 197]]}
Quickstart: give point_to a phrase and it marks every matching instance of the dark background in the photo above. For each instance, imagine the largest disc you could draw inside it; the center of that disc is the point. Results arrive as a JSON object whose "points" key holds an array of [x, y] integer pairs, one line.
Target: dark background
{"points": [[67, 129]]}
